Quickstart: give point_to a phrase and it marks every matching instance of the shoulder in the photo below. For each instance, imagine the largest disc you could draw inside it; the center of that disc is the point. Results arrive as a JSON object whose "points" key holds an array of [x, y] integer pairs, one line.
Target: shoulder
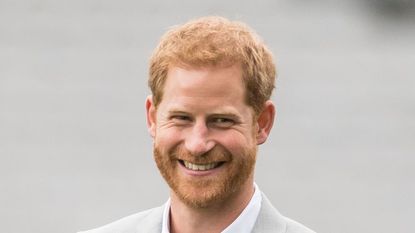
{"points": [[146, 221]]}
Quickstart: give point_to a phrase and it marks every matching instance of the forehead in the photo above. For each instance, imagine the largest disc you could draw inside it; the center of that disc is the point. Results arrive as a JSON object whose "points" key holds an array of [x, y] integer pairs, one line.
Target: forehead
{"points": [[205, 81], [204, 89]]}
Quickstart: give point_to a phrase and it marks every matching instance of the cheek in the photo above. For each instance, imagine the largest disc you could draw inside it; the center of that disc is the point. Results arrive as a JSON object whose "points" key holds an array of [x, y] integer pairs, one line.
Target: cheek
{"points": [[167, 138], [237, 143]]}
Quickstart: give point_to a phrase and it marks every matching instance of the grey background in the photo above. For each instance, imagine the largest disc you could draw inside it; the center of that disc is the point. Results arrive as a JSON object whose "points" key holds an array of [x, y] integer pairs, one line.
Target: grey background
{"points": [[75, 152]]}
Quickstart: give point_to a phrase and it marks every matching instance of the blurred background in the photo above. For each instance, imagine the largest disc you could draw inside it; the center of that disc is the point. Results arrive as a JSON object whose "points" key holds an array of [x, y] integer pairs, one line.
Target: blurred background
{"points": [[74, 148]]}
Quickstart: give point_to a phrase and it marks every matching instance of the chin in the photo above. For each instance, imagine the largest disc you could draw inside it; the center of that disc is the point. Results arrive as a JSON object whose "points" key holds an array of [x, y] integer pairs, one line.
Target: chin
{"points": [[202, 195]]}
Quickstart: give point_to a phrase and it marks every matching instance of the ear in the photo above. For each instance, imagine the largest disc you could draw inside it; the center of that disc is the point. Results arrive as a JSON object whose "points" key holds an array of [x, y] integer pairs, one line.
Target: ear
{"points": [[151, 116], [265, 121]]}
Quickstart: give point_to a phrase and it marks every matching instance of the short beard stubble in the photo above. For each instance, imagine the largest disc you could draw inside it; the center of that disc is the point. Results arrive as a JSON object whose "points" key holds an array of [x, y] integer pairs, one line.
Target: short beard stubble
{"points": [[202, 192]]}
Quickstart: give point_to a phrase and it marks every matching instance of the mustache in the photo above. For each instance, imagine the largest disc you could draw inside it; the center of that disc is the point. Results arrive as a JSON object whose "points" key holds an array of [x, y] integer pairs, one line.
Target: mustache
{"points": [[216, 154]]}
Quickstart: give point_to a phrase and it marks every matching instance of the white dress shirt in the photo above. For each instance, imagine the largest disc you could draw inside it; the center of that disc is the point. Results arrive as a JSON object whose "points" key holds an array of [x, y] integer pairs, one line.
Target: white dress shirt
{"points": [[243, 224]]}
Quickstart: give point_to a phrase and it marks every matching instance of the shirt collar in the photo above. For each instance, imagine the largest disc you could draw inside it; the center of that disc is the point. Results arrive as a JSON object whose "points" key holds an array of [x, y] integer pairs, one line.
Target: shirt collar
{"points": [[243, 224], [166, 218]]}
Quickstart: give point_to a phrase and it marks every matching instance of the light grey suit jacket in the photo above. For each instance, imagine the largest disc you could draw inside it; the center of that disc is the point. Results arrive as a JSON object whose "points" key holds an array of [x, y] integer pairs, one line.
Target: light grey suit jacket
{"points": [[150, 221]]}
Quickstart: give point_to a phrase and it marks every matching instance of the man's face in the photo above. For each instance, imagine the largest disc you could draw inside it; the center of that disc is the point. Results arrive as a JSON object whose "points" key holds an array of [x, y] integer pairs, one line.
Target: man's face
{"points": [[204, 134]]}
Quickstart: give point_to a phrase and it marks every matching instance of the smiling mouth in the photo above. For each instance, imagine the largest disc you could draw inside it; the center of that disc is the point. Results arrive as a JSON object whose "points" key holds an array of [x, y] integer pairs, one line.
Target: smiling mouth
{"points": [[200, 167]]}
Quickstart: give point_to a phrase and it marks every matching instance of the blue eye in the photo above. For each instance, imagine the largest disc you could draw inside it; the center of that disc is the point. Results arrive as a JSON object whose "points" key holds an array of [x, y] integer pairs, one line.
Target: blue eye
{"points": [[181, 118], [222, 122]]}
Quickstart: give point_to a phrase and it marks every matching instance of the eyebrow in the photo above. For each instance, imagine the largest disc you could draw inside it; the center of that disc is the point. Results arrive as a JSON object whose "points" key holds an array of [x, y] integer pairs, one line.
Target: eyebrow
{"points": [[226, 114], [229, 114], [173, 111]]}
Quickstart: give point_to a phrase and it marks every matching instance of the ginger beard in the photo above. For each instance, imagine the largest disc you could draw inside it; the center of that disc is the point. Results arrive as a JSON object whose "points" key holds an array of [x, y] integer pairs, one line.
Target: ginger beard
{"points": [[202, 192]]}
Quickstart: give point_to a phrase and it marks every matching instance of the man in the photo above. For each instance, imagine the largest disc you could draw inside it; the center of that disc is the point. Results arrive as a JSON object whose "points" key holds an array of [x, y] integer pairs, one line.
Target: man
{"points": [[211, 81]]}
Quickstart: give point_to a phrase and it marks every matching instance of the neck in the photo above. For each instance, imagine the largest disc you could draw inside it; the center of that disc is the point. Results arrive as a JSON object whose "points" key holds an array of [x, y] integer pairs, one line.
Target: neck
{"points": [[215, 218]]}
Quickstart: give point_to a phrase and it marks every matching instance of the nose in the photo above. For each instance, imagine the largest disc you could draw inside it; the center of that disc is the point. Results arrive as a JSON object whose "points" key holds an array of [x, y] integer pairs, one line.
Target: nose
{"points": [[198, 142]]}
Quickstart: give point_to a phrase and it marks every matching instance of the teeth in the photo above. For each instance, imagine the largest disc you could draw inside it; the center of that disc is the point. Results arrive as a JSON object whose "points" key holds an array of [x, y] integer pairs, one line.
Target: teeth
{"points": [[199, 167]]}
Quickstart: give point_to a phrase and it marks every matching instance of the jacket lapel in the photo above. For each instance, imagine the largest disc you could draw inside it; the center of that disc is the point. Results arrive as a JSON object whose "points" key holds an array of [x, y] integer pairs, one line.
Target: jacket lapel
{"points": [[269, 219], [152, 222]]}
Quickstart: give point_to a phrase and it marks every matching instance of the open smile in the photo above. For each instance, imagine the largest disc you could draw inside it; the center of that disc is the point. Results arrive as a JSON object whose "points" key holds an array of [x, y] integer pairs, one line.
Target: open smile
{"points": [[200, 167]]}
